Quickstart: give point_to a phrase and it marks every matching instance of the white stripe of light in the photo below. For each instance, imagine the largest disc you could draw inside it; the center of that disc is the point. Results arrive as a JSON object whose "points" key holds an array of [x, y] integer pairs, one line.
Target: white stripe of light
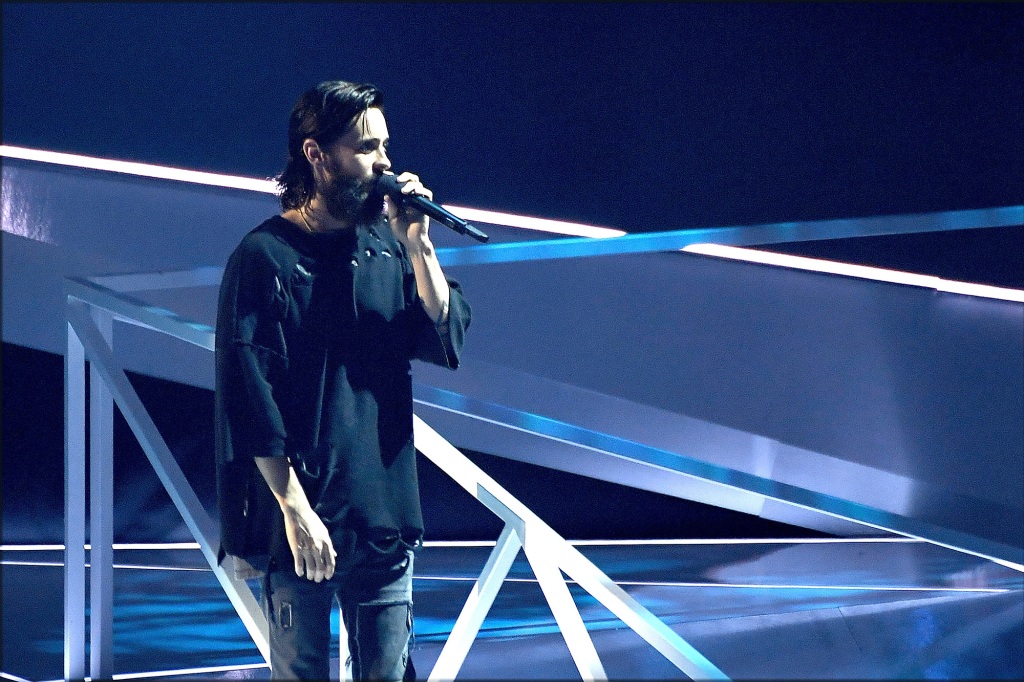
{"points": [[739, 541], [190, 671], [183, 671], [8, 676], [60, 564], [117, 545], [490, 543], [270, 187], [859, 271], [531, 223], [140, 169], [759, 586], [629, 583]]}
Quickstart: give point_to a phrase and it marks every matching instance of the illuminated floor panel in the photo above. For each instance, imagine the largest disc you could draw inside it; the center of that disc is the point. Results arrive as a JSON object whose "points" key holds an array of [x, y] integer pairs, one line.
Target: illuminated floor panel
{"points": [[790, 610]]}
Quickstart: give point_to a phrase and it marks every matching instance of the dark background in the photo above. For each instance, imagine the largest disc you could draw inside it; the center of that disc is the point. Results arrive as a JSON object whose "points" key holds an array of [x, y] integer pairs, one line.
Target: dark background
{"points": [[642, 117]]}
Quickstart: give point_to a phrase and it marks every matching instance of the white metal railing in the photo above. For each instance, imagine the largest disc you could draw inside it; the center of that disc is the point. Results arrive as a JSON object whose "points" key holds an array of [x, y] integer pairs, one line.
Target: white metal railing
{"points": [[92, 307], [91, 310]]}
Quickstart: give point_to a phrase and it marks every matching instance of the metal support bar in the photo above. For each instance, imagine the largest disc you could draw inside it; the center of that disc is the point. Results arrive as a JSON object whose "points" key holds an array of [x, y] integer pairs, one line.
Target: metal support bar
{"points": [[654, 631], [101, 512], [467, 625], [568, 617], [203, 276], [137, 312], [549, 552], [196, 519], [74, 508], [545, 549]]}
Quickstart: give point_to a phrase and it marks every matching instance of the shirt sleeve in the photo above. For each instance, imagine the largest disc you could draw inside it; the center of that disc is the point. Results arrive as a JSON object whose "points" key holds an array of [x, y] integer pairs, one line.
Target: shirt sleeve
{"points": [[441, 344], [250, 357]]}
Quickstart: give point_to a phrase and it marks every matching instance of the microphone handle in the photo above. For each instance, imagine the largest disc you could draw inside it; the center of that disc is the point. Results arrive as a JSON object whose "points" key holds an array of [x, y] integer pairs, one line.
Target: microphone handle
{"points": [[428, 207], [389, 185]]}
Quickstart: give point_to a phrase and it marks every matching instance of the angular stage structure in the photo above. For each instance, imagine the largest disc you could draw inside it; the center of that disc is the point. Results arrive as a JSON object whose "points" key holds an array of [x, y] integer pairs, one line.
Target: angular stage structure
{"points": [[884, 411]]}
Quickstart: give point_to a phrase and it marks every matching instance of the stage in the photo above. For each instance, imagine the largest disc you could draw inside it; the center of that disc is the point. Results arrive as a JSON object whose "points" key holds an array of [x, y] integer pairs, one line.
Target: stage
{"points": [[826, 342], [818, 609]]}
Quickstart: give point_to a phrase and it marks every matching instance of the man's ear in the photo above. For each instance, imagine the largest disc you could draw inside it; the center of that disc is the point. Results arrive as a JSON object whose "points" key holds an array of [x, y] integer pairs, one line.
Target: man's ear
{"points": [[312, 150]]}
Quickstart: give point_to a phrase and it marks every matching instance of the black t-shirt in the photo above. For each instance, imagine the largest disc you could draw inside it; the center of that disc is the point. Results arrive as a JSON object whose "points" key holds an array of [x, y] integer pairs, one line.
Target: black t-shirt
{"points": [[315, 333]]}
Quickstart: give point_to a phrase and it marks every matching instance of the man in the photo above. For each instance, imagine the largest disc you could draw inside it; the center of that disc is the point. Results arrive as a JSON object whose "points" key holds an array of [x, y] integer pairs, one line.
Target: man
{"points": [[321, 310]]}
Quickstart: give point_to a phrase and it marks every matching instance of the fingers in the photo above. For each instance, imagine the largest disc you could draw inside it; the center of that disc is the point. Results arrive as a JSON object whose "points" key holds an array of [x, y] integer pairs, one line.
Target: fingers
{"points": [[315, 560], [409, 224], [314, 565], [413, 185], [327, 556]]}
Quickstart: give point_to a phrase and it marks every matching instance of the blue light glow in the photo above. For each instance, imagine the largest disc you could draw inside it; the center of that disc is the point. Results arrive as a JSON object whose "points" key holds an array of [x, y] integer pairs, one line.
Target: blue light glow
{"points": [[1012, 557]]}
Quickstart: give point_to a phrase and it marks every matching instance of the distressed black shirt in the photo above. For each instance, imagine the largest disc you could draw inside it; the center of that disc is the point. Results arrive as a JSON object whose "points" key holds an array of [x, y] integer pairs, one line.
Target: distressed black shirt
{"points": [[315, 334]]}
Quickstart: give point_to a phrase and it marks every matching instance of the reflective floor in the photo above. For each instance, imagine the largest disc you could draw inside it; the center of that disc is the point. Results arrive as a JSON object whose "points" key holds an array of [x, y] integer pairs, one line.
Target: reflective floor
{"points": [[757, 610]]}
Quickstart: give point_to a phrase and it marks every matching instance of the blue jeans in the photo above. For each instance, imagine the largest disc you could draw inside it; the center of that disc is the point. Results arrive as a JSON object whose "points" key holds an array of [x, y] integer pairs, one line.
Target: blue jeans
{"points": [[376, 606]]}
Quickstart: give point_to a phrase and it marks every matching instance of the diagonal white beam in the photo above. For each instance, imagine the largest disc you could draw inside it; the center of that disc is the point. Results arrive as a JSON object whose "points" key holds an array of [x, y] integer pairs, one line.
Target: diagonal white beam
{"points": [[196, 519], [538, 537], [653, 630], [570, 622], [131, 310], [477, 605], [727, 477]]}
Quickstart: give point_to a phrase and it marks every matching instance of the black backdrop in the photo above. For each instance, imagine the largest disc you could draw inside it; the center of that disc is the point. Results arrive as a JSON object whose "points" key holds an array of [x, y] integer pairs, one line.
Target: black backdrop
{"points": [[641, 116]]}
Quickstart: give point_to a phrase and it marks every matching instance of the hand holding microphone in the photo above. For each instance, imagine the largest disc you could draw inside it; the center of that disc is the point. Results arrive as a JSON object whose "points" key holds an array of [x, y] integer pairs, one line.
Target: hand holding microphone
{"points": [[388, 185]]}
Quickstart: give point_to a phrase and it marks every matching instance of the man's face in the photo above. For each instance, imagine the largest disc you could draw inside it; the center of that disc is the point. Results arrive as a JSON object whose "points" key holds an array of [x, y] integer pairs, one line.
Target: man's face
{"points": [[351, 167]]}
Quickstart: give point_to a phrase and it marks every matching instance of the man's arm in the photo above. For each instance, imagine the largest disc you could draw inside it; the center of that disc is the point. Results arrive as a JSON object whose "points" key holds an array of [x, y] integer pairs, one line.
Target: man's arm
{"points": [[307, 535], [431, 284], [410, 227]]}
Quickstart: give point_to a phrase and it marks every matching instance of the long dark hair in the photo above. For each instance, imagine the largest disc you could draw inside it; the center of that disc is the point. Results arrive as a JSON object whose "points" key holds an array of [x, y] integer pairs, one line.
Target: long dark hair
{"points": [[323, 113]]}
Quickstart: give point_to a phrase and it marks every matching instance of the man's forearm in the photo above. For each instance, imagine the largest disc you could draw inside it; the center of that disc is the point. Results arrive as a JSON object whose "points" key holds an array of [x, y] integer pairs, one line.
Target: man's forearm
{"points": [[283, 482], [308, 537], [431, 284]]}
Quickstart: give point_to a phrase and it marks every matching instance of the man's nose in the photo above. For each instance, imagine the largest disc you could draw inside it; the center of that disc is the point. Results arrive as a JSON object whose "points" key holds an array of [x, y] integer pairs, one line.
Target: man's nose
{"points": [[382, 163]]}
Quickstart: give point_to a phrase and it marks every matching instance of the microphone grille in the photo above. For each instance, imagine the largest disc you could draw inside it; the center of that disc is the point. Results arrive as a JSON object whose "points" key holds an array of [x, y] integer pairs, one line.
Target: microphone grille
{"points": [[388, 184]]}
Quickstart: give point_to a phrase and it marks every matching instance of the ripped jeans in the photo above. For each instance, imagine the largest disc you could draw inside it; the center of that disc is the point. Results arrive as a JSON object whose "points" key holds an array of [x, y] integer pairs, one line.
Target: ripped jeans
{"points": [[376, 607]]}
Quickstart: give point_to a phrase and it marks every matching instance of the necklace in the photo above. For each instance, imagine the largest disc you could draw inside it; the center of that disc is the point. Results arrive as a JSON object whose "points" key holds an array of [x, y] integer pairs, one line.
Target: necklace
{"points": [[305, 222]]}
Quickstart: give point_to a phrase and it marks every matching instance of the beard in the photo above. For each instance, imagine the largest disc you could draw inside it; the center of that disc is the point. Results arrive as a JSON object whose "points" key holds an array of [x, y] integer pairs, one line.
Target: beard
{"points": [[350, 199]]}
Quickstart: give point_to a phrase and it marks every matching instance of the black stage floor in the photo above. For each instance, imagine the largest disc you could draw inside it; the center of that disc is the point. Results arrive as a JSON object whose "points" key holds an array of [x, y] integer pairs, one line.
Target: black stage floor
{"points": [[797, 609]]}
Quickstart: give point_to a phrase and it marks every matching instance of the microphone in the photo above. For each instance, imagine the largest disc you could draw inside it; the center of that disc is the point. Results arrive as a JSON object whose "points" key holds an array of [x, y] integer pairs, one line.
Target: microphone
{"points": [[389, 185]]}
